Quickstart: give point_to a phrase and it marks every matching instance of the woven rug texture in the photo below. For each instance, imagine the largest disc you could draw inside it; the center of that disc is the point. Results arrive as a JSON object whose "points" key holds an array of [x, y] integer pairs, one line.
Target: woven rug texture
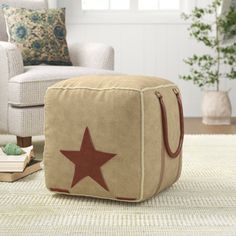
{"points": [[202, 202]]}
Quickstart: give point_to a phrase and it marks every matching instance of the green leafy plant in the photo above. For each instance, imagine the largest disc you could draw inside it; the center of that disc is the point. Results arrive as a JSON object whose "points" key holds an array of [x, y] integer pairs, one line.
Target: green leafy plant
{"points": [[207, 26]]}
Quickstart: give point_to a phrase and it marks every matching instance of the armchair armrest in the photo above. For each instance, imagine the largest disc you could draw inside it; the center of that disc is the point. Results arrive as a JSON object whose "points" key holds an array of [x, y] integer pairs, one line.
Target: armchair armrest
{"points": [[11, 61], [11, 64], [92, 55]]}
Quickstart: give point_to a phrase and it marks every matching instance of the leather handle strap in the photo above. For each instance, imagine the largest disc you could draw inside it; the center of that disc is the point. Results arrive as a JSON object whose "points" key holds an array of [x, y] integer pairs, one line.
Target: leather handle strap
{"points": [[165, 124]]}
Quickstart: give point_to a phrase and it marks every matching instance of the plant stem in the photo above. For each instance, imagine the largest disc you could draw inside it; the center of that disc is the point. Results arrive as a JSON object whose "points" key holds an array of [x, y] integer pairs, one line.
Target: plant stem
{"points": [[218, 50]]}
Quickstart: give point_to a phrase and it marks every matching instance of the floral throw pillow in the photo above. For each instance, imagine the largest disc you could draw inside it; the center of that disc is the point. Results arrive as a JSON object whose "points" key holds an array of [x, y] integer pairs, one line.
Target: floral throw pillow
{"points": [[40, 35]]}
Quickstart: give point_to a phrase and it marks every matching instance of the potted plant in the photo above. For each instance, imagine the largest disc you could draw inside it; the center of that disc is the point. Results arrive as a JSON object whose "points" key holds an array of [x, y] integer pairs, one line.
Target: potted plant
{"points": [[208, 26]]}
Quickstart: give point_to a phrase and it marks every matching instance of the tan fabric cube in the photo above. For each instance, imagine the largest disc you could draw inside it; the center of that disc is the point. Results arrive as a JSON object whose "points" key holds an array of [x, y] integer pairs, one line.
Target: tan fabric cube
{"points": [[113, 137]]}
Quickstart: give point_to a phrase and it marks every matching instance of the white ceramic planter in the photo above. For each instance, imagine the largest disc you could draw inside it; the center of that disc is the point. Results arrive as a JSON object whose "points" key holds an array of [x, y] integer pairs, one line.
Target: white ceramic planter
{"points": [[216, 108]]}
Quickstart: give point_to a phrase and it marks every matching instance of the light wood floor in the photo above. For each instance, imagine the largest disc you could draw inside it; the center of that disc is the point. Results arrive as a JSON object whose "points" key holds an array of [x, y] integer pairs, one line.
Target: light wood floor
{"points": [[195, 126]]}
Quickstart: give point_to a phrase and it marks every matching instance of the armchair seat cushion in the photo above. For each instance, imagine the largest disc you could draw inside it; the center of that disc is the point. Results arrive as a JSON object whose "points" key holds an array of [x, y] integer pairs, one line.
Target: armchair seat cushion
{"points": [[28, 89]]}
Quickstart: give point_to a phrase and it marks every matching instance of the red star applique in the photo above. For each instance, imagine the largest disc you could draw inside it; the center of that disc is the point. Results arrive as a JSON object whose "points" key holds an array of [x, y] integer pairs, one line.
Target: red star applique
{"points": [[88, 161]]}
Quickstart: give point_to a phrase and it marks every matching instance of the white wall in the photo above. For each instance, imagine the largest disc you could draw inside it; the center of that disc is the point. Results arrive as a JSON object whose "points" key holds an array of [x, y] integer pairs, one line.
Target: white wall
{"points": [[52, 3], [156, 48]]}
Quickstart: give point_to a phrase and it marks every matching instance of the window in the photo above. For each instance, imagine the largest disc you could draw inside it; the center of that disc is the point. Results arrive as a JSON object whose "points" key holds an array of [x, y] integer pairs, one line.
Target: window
{"points": [[128, 11], [105, 4], [169, 4], [131, 4], [159, 5], [119, 4]]}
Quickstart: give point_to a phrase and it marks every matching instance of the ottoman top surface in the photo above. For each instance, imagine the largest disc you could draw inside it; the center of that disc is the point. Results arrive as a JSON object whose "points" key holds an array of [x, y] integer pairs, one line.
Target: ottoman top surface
{"points": [[112, 82]]}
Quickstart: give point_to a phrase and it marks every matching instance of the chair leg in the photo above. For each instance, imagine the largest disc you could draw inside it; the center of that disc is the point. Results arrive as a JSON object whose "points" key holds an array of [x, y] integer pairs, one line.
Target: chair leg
{"points": [[24, 141]]}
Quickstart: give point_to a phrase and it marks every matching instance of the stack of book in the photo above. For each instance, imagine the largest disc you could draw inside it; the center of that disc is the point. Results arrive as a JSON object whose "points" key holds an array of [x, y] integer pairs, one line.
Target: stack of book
{"points": [[14, 167]]}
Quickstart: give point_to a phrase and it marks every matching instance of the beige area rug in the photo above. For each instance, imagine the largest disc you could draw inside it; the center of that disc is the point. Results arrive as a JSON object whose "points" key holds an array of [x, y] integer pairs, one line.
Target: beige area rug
{"points": [[203, 202]]}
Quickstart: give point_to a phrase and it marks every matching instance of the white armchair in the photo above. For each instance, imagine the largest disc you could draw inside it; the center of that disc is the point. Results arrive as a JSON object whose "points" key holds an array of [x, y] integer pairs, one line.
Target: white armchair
{"points": [[22, 89]]}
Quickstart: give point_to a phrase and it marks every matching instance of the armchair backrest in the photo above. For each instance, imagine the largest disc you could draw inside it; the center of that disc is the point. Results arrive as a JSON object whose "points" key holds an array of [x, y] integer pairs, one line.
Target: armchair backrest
{"points": [[30, 4]]}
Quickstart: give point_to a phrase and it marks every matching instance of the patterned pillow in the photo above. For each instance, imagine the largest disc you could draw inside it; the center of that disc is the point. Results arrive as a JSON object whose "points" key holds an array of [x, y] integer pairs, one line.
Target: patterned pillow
{"points": [[40, 34]]}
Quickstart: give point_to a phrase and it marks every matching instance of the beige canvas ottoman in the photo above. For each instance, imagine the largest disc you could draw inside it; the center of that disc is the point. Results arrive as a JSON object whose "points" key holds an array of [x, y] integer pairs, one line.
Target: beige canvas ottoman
{"points": [[113, 137]]}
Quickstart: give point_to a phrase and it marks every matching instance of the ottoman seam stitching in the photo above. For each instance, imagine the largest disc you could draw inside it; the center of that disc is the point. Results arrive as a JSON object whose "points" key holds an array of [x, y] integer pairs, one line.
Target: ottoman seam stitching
{"points": [[94, 196], [115, 88], [96, 89], [179, 167], [163, 161], [160, 86], [142, 145]]}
